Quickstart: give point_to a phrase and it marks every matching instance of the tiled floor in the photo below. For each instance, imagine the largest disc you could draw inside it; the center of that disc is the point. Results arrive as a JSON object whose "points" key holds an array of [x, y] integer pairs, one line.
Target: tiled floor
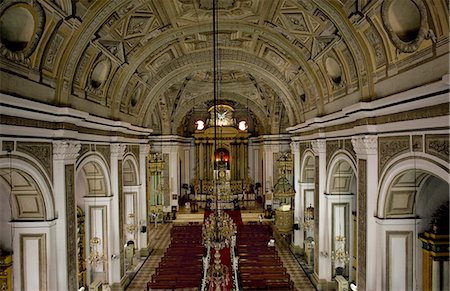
{"points": [[159, 241]]}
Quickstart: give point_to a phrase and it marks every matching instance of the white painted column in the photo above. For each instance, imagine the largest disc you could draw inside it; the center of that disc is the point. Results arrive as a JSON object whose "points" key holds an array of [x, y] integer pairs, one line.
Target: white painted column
{"points": [[298, 201], [117, 152], [64, 153], [268, 182], [174, 185], [324, 270], [366, 148], [142, 199]]}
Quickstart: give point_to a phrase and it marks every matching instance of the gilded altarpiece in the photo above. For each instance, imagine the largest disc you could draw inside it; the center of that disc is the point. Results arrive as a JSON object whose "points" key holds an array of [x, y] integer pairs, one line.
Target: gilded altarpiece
{"points": [[231, 140]]}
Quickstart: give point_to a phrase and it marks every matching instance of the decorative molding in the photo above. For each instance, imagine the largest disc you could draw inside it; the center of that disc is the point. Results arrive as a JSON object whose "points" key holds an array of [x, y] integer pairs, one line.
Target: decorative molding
{"points": [[117, 150], [72, 276], [332, 147], [41, 239], [134, 149], [390, 147], [365, 145], [22, 57], [66, 150], [417, 143], [348, 146], [409, 46], [41, 151], [319, 146], [105, 151], [437, 145]]}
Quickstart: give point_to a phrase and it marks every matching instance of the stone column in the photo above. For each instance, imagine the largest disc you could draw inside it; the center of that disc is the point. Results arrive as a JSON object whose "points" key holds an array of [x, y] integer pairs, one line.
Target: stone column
{"points": [[115, 217], [298, 201], [142, 199], [368, 274], [65, 154], [322, 263]]}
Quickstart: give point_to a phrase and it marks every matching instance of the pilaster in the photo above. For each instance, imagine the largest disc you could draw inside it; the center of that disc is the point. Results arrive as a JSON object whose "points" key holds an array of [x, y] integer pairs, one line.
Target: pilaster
{"points": [[322, 266], [368, 273], [298, 201], [115, 214], [142, 198], [65, 154]]}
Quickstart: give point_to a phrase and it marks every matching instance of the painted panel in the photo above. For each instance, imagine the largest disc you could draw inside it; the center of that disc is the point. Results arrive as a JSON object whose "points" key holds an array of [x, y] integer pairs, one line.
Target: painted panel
{"points": [[33, 262]]}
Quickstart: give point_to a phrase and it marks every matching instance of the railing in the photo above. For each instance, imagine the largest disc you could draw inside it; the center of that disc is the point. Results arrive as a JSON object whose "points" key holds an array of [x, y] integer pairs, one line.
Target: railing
{"points": [[206, 260], [234, 264]]}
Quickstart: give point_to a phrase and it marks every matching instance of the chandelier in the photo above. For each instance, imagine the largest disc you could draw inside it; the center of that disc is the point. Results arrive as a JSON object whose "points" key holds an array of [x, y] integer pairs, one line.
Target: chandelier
{"points": [[308, 223], [340, 255], [131, 227], [217, 231], [95, 256]]}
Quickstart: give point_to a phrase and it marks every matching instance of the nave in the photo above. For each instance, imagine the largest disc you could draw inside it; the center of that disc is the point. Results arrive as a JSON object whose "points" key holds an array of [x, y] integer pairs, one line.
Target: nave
{"points": [[160, 240]]}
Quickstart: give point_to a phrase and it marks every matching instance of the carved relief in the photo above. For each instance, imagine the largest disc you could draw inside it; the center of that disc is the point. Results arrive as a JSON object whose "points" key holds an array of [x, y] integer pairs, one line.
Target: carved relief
{"points": [[40, 151], [332, 147], [417, 143], [390, 147], [105, 151], [349, 148], [406, 23], [377, 46], [437, 145], [53, 50], [18, 43]]}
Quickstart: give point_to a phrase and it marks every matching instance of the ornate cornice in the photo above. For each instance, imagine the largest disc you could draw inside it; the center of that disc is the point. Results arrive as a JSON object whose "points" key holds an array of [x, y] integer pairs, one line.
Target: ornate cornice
{"points": [[66, 150], [365, 145]]}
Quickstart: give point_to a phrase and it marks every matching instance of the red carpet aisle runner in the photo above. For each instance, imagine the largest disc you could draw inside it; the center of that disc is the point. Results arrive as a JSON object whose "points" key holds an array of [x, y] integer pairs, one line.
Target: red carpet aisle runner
{"points": [[225, 254]]}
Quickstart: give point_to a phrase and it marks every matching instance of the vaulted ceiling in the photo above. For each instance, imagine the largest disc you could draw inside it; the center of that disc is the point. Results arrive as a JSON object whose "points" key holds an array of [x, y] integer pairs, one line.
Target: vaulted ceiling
{"points": [[280, 62]]}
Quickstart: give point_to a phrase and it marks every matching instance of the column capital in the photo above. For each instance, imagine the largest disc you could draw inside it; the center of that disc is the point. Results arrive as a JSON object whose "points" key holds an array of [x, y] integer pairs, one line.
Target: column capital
{"points": [[295, 146], [66, 150], [144, 149], [365, 145], [117, 150], [319, 146]]}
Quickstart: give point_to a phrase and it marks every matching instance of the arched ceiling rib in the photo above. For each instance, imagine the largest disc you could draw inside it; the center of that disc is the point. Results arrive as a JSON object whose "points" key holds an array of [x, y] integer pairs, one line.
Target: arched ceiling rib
{"points": [[154, 45]]}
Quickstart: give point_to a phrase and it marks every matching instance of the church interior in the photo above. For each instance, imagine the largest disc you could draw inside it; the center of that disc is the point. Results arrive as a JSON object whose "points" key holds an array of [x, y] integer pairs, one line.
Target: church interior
{"points": [[224, 145]]}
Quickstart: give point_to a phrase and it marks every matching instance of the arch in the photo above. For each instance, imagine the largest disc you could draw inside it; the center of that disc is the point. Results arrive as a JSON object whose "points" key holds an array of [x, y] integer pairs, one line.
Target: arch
{"points": [[130, 170], [93, 166], [181, 112], [235, 61], [32, 174], [308, 167], [420, 163], [341, 174]]}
